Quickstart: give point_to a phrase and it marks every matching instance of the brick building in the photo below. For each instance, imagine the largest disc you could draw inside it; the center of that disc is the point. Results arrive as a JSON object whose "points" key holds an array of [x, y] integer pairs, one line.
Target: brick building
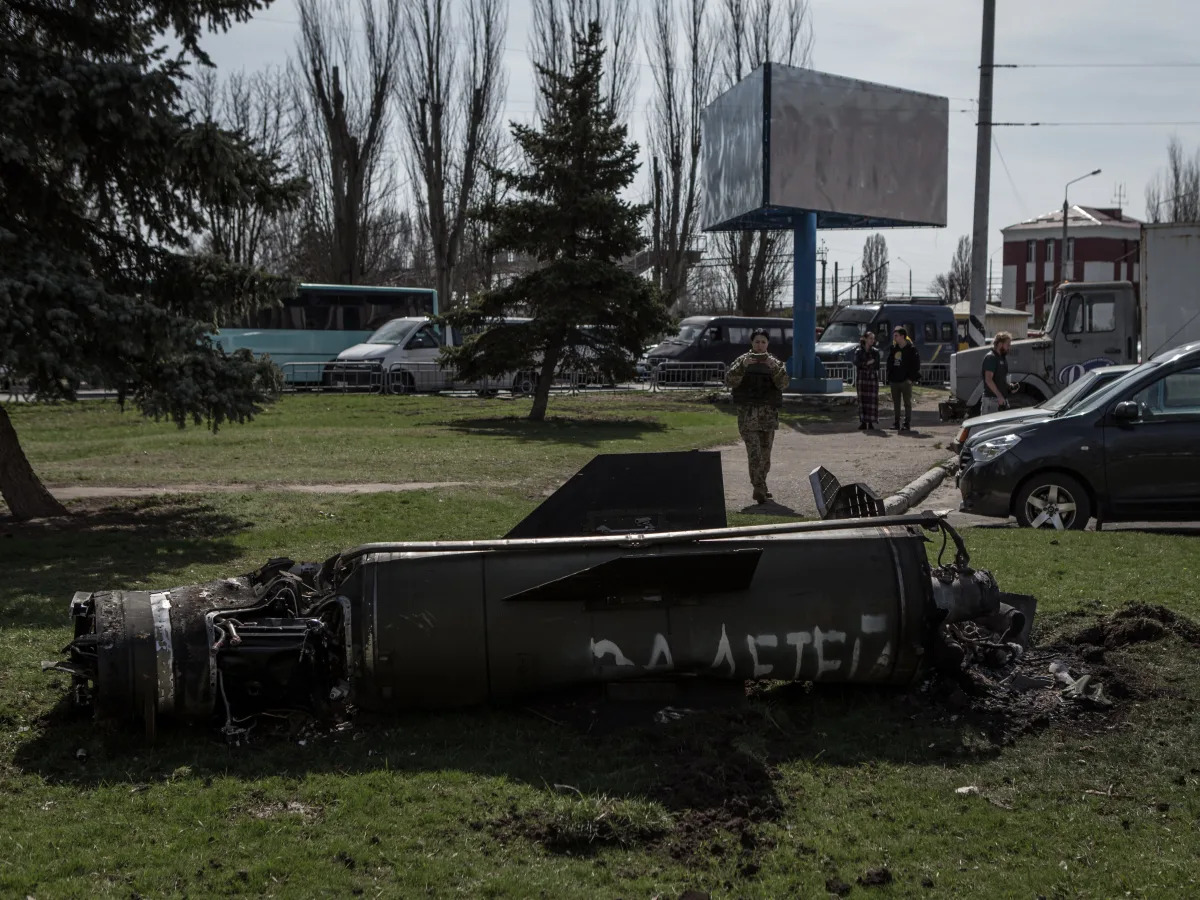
{"points": [[1102, 245]]}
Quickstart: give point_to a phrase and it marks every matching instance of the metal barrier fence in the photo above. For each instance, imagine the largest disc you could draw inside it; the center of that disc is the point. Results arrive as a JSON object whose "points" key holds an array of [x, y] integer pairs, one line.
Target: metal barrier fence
{"points": [[932, 374], [690, 375], [423, 377], [431, 377]]}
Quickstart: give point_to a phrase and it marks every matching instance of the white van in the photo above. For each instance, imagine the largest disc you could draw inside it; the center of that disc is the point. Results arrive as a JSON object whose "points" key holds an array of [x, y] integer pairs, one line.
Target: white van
{"points": [[403, 356]]}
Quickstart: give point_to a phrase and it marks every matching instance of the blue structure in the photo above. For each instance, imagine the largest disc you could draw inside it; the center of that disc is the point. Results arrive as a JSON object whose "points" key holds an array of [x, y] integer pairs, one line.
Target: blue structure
{"points": [[796, 149]]}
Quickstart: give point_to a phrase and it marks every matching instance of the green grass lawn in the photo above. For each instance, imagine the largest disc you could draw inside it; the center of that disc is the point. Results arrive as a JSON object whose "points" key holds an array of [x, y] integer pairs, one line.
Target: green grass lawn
{"points": [[796, 791], [777, 799], [332, 439]]}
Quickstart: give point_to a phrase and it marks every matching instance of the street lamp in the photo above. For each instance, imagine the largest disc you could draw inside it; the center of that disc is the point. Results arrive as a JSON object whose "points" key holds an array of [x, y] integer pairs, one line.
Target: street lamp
{"points": [[1062, 251], [905, 261]]}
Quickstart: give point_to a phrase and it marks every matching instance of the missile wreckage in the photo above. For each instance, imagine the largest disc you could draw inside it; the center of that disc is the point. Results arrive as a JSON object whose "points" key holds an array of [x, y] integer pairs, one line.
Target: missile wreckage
{"points": [[627, 573]]}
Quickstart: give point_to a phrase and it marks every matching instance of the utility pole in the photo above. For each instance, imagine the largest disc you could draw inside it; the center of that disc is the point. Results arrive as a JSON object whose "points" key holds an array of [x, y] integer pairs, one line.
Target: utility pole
{"points": [[835, 283], [983, 179]]}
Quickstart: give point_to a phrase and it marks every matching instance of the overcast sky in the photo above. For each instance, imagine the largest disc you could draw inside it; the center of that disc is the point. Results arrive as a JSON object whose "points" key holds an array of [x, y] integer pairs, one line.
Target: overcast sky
{"points": [[933, 46]]}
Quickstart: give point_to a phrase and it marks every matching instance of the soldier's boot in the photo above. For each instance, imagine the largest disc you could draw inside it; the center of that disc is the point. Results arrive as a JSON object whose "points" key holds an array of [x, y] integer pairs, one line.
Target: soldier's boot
{"points": [[760, 494]]}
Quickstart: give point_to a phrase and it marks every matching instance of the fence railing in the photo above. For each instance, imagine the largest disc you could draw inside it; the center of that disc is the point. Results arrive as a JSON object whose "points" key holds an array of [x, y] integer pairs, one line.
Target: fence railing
{"points": [[337, 377], [932, 374], [429, 377], [691, 375]]}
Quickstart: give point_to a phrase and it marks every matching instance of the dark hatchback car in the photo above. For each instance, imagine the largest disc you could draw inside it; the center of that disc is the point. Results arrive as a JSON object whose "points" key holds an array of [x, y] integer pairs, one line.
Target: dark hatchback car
{"points": [[1130, 452]]}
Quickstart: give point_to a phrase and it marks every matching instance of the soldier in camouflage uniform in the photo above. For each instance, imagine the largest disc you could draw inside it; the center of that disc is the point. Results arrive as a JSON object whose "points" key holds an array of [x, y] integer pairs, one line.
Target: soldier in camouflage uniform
{"points": [[757, 380]]}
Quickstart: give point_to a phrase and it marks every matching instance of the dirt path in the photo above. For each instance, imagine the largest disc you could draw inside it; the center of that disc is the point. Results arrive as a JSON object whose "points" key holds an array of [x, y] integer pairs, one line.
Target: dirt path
{"points": [[100, 491], [884, 459]]}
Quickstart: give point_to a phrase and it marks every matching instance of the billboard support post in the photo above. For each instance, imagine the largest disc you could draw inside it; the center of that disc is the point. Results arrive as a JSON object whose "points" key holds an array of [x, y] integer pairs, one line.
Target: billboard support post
{"points": [[808, 375]]}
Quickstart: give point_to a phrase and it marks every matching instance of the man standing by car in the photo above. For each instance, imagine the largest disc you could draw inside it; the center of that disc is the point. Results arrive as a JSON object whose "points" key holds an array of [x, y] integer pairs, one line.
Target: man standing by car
{"points": [[996, 386], [903, 371]]}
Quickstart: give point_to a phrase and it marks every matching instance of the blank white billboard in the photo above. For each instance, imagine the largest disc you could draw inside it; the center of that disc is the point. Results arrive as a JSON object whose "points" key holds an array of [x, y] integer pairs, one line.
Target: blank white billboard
{"points": [[787, 140]]}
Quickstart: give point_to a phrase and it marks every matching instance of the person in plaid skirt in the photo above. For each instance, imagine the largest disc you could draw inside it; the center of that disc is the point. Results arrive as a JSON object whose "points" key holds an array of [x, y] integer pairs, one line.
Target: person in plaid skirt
{"points": [[866, 381]]}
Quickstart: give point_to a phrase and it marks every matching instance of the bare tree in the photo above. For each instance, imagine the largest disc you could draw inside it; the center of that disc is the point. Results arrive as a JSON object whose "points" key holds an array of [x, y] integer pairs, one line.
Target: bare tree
{"points": [[751, 33], [347, 71], [955, 286], [874, 281], [556, 24], [450, 104], [1174, 195], [683, 83], [258, 106]]}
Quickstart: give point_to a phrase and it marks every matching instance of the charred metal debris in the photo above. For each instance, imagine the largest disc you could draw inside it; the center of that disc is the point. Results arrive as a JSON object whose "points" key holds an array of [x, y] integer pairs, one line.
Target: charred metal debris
{"points": [[627, 573]]}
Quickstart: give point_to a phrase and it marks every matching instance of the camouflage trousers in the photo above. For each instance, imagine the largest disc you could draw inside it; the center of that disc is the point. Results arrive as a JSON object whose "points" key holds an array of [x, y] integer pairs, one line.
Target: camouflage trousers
{"points": [[756, 425]]}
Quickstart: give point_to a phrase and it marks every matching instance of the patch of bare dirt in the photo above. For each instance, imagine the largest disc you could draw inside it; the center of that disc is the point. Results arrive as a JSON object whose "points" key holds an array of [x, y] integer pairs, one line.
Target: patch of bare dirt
{"points": [[1135, 624], [278, 808]]}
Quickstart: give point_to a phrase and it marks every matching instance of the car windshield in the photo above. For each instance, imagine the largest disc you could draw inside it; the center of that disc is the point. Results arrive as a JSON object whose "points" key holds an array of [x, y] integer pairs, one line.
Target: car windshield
{"points": [[1102, 396], [841, 333], [392, 332], [688, 333], [1065, 398]]}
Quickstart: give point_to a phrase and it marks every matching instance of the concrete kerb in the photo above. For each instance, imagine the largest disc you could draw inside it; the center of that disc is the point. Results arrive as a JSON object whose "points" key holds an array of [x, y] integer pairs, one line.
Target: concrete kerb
{"points": [[919, 488]]}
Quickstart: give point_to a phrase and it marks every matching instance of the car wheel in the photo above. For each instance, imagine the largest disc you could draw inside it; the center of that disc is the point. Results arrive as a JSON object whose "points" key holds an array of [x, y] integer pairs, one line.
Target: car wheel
{"points": [[1053, 501], [404, 384], [524, 384]]}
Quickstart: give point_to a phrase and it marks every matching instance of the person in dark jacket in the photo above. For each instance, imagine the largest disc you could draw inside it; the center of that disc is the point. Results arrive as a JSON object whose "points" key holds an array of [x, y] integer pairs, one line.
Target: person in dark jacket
{"points": [[866, 381], [758, 379], [903, 371]]}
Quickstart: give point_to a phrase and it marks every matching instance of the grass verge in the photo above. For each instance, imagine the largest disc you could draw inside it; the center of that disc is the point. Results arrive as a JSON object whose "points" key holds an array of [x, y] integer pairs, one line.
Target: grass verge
{"points": [[347, 439]]}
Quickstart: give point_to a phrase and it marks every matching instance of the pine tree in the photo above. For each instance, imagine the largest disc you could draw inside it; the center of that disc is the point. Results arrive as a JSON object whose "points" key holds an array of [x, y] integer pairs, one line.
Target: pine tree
{"points": [[587, 312], [103, 174]]}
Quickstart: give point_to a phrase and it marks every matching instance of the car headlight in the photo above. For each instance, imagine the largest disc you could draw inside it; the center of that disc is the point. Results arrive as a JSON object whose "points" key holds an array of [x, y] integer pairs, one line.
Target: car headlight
{"points": [[989, 450]]}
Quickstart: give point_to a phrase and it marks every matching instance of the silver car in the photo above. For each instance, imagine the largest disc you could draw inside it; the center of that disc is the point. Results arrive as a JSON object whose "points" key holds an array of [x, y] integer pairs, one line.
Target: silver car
{"points": [[1083, 386]]}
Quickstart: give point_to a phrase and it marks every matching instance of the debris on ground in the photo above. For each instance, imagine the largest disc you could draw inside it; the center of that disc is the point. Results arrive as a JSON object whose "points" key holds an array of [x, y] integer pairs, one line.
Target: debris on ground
{"points": [[875, 877]]}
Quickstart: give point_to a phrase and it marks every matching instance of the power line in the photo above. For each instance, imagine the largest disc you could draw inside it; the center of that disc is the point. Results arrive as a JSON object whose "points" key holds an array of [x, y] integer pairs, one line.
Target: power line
{"points": [[1100, 65], [1012, 183], [1085, 124]]}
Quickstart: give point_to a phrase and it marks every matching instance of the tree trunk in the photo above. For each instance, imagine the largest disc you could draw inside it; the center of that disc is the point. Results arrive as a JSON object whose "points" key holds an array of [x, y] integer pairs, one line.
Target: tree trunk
{"points": [[541, 392], [23, 491]]}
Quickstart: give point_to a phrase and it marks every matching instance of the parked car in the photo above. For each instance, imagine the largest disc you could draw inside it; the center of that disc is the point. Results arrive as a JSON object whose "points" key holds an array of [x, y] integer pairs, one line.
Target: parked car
{"points": [[1083, 387], [719, 340], [1129, 452]]}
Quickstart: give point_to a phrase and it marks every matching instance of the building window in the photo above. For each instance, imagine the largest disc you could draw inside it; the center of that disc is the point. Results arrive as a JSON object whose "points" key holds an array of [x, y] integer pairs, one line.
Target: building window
{"points": [[1030, 251], [1070, 250], [1029, 296], [1050, 251]]}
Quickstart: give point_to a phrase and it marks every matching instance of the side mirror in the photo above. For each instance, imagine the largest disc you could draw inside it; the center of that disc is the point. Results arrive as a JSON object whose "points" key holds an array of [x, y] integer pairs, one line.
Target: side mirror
{"points": [[1127, 411]]}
